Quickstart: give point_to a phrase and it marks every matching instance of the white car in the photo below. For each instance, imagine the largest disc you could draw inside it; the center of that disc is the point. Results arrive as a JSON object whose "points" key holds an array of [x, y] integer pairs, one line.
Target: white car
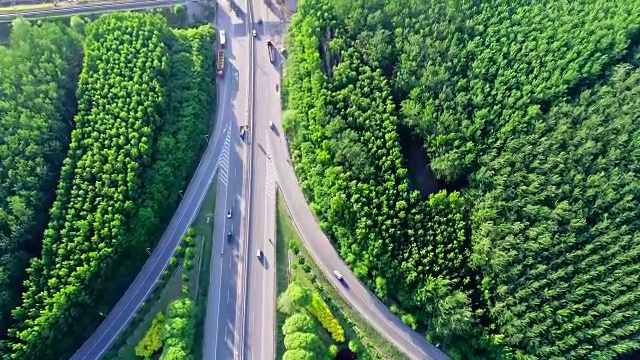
{"points": [[337, 274], [228, 214], [259, 254], [255, 33], [271, 125], [223, 38]]}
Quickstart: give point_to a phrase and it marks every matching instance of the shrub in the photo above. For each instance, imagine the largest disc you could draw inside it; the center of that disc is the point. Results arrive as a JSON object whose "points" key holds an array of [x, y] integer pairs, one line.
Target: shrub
{"points": [[320, 310], [152, 340]]}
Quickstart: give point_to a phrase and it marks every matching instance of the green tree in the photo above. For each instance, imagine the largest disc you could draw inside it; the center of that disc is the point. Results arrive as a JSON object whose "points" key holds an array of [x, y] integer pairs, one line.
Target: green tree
{"points": [[298, 322], [37, 83], [297, 354], [138, 104], [152, 340], [294, 298], [304, 341]]}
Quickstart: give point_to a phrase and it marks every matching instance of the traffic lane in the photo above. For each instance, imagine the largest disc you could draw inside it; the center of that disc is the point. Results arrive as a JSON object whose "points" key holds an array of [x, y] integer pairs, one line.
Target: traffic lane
{"points": [[257, 268], [217, 265], [268, 248], [229, 301], [357, 294], [219, 261], [218, 321], [265, 208], [265, 106], [222, 276], [120, 316]]}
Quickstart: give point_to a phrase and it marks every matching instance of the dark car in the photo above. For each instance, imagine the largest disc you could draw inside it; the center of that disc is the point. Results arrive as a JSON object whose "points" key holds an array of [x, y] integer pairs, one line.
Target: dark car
{"points": [[229, 236]]}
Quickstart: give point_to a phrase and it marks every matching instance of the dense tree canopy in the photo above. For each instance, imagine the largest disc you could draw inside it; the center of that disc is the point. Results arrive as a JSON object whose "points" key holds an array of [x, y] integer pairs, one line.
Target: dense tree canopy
{"points": [[525, 115], [144, 95], [179, 331], [37, 83]]}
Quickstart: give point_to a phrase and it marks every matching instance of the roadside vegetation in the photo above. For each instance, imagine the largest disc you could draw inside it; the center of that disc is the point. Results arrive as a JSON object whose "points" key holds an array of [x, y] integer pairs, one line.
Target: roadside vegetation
{"points": [[144, 95], [38, 73], [475, 164], [187, 277], [306, 297]]}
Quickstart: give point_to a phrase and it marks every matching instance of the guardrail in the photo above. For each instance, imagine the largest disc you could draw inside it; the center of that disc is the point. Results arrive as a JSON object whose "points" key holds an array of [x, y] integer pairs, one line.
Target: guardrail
{"points": [[98, 7]]}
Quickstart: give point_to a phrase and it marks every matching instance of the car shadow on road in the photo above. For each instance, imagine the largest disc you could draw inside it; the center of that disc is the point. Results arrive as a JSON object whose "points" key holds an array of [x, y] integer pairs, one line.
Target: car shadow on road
{"points": [[265, 262]]}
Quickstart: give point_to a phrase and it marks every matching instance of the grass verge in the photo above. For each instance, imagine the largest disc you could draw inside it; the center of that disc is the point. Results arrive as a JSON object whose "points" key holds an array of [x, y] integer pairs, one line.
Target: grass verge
{"points": [[198, 281], [355, 327], [203, 227], [284, 232]]}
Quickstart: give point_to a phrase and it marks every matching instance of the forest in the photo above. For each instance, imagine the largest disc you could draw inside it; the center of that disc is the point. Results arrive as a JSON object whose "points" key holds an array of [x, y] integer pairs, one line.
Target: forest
{"points": [[100, 174], [476, 165], [38, 72]]}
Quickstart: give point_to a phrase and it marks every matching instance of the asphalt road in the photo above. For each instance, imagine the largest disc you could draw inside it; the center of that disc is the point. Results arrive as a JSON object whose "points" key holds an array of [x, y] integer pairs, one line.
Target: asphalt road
{"points": [[261, 276], [76, 9], [222, 334]]}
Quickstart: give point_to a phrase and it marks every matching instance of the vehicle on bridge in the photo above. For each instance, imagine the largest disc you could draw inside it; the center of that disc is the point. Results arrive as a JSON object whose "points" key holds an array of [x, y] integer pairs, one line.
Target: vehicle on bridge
{"points": [[220, 63]]}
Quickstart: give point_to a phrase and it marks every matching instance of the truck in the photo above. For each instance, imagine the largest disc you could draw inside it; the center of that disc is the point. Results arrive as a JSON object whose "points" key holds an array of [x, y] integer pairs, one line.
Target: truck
{"points": [[271, 51], [220, 63], [223, 38]]}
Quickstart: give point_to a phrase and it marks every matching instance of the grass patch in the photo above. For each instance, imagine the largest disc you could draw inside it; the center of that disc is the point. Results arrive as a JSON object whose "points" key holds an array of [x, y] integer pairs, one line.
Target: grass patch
{"points": [[355, 327], [198, 280], [284, 232], [171, 292], [203, 227]]}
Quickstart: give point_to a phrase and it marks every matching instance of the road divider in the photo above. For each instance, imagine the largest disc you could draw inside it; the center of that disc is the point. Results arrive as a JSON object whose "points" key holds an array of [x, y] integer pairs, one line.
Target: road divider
{"points": [[244, 239]]}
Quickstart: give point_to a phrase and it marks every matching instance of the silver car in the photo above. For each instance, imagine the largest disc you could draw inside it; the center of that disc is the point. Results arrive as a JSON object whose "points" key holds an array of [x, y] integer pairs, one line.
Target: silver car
{"points": [[337, 274]]}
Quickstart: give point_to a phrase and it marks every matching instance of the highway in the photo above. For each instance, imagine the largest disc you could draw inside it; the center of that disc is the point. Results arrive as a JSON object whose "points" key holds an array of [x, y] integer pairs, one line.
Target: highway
{"points": [[240, 318], [225, 300], [260, 320], [98, 7]]}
